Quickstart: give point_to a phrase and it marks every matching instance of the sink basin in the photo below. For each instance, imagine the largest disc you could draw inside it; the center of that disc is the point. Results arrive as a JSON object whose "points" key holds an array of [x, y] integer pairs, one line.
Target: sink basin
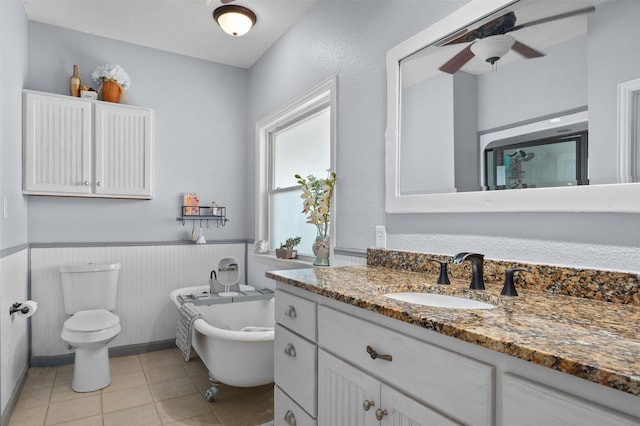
{"points": [[440, 300]]}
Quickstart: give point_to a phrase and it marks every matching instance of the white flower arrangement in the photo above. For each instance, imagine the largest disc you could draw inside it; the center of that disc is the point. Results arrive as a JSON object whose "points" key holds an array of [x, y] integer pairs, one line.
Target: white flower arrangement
{"points": [[113, 73], [317, 194]]}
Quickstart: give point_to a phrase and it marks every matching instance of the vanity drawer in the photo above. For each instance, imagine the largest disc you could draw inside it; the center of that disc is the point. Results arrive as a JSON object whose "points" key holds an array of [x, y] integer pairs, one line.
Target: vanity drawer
{"points": [[287, 412], [453, 384], [297, 314], [295, 367]]}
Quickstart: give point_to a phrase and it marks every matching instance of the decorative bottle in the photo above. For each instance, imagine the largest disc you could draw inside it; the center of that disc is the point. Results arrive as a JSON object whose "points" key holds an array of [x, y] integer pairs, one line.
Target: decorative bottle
{"points": [[74, 82]]}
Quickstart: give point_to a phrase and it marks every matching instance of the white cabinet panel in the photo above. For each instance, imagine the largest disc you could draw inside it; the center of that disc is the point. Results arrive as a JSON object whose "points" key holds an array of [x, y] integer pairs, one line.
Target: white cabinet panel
{"points": [[405, 411], [81, 147], [526, 403], [344, 392], [57, 145], [123, 150], [297, 314], [287, 412]]}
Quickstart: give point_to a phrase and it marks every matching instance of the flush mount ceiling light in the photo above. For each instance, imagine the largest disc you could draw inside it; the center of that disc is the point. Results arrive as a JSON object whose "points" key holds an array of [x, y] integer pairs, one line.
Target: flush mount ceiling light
{"points": [[234, 20], [492, 48]]}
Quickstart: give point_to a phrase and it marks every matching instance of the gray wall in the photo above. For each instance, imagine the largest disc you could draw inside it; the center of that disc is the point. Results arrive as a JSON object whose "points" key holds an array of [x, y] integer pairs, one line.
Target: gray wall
{"points": [[200, 139], [351, 41], [13, 70]]}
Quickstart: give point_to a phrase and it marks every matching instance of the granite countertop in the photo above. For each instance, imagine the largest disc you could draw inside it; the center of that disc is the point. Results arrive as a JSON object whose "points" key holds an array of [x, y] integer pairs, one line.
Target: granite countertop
{"points": [[594, 340]]}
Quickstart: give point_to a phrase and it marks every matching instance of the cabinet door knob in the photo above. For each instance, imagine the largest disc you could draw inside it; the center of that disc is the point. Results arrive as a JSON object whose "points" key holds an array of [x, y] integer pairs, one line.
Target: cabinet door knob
{"points": [[367, 404], [291, 312], [98, 183], [375, 355], [290, 350], [380, 414], [290, 418], [85, 183]]}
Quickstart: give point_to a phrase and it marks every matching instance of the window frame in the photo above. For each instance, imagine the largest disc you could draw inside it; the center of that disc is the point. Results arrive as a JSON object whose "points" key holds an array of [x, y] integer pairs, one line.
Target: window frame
{"points": [[310, 102]]}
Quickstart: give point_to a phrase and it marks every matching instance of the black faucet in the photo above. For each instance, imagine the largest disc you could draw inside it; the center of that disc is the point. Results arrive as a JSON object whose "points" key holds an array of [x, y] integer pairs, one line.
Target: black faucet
{"points": [[477, 280], [444, 277], [509, 289]]}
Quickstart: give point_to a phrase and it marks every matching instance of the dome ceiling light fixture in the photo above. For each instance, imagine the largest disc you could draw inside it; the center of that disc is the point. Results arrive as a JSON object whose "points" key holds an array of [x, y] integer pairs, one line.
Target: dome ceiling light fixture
{"points": [[493, 48], [234, 20]]}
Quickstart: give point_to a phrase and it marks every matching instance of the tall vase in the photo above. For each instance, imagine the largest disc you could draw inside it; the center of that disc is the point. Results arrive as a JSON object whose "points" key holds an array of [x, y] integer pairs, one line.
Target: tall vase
{"points": [[321, 246], [110, 91]]}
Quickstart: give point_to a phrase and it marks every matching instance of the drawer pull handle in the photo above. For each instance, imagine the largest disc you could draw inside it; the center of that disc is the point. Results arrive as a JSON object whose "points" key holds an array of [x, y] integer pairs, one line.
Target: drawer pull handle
{"points": [[290, 418], [375, 355], [380, 414], [85, 183], [290, 350], [367, 404], [291, 312]]}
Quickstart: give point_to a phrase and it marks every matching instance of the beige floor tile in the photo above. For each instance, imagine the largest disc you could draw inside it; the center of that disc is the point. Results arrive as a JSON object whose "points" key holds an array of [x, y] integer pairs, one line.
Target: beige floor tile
{"points": [[143, 415], [35, 397], [38, 377], [125, 381], [65, 374], [124, 364], [73, 410], [202, 420], [195, 367], [87, 421], [163, 374], [173, 389], [29, 416], [159, 359], [172, 410], [126, 398], [63, 392]]}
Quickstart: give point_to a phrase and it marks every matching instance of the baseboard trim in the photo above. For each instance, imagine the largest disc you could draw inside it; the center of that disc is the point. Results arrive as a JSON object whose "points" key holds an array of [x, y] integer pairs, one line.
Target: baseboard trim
{"points": [[11, 404], [119, 351]]}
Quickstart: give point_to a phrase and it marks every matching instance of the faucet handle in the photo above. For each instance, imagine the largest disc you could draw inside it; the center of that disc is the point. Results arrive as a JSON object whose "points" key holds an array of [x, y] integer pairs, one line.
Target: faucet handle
{"points": [[444, 276], [509, 288]]}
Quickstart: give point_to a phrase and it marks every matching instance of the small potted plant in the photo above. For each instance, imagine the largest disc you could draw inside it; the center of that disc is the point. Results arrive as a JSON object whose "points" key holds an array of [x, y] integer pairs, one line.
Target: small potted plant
{"points": [[286, 250]]}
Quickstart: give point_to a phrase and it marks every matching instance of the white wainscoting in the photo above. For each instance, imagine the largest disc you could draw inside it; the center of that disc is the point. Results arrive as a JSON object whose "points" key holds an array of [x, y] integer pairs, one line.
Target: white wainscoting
{"points": [[147, 276], [13, 329]]}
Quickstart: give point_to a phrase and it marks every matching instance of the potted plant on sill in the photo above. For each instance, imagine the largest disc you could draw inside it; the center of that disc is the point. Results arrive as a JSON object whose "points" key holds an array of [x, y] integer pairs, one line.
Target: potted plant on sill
{"points": [[286, 250]]}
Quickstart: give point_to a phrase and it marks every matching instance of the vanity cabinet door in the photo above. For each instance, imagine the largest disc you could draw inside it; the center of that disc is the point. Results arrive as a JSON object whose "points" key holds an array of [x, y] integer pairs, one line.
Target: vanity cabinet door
{"points": [[346, 395], [57, 145], [123, 150], [402, 410], [526, 403]]}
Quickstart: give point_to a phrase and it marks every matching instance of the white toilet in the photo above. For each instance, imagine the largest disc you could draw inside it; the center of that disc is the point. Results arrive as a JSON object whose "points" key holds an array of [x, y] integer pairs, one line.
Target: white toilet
{"points": [[89, 293]]}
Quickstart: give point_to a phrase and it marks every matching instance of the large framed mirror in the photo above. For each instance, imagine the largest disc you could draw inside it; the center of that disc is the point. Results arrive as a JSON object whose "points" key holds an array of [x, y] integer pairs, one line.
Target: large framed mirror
{"points": [[470, 97]]}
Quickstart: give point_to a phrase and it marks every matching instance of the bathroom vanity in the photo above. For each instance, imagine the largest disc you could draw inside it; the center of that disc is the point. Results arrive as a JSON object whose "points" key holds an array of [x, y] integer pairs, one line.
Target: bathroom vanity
{"points": [[347, 354]]}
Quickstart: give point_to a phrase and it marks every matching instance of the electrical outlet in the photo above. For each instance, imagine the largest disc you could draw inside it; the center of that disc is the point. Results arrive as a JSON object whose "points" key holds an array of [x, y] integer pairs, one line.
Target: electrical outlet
{"points": [[381, 237]]}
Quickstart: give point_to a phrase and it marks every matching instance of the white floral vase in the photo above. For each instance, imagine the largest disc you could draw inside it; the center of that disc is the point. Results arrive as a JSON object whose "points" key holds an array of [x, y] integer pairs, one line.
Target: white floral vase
{"points": [[321, 246]]}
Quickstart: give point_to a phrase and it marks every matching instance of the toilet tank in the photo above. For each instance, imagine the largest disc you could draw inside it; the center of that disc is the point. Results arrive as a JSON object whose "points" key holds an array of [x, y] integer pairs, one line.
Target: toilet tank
{"points": [[89, 286]]}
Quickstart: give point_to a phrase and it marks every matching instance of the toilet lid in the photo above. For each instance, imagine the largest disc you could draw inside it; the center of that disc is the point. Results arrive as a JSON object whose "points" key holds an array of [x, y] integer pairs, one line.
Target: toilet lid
{"points": [[92, 320]]}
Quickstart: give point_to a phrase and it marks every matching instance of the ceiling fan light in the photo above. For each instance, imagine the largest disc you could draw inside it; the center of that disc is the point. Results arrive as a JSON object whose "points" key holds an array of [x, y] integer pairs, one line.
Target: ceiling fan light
{"points": [[234, 20], [492, 48]]}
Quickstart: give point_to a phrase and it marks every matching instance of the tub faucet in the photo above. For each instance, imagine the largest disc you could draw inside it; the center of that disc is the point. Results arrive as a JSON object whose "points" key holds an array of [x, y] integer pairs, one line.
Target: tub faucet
{"points": [[476, 259]]}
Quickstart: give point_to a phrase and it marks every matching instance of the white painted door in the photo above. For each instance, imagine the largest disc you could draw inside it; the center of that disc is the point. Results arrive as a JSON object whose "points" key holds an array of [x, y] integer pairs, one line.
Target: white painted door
{"points": [[123, 143], [57, 145], [346, 395]]}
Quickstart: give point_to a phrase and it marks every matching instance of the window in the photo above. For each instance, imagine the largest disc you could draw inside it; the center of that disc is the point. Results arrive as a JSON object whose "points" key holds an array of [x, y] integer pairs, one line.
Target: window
{"points": [[296, 139]]}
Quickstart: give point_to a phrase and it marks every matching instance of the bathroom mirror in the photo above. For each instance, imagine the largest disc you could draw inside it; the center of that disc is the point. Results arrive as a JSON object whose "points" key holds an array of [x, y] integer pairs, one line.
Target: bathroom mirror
{"points": [[446, 104]]}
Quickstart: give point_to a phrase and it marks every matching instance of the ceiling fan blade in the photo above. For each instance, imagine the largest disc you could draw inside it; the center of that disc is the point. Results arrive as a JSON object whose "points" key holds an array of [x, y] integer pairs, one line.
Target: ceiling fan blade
{"points": [[526, 51], [555, 18], [458, 61], [500, 25]]}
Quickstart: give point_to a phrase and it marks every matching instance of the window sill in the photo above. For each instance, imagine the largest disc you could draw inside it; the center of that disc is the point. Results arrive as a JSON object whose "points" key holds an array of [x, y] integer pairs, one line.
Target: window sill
{"points": [[270, 259]]}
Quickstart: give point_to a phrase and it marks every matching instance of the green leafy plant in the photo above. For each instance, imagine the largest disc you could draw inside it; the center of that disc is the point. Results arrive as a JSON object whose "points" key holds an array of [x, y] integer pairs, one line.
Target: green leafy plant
{"points": [[290, 243]]}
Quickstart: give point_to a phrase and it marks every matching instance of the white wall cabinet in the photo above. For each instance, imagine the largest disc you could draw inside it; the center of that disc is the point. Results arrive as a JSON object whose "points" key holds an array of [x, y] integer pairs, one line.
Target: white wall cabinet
{"points": [[86, 148]]}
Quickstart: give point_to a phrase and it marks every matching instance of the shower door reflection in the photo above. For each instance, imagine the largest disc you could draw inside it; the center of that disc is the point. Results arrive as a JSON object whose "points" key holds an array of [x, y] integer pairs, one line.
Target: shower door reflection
{"points": [[558, 161]]}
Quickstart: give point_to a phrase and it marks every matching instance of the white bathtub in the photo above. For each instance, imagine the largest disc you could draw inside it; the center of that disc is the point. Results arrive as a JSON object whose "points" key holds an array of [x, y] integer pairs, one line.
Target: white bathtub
{"points": [[233, 357]]}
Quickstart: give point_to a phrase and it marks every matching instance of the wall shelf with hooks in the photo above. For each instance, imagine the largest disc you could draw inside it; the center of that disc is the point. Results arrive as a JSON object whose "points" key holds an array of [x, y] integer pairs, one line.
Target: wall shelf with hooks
{"points": [[204, 214]]}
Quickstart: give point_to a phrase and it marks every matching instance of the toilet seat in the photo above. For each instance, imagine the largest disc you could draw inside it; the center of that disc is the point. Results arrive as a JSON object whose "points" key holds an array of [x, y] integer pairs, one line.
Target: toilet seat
{"points": [[91, 321]]}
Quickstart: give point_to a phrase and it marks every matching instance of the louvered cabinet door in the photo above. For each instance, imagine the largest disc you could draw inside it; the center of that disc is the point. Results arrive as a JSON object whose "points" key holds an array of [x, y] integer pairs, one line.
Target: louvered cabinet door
{"points": [[57, 145], [123, 143]]}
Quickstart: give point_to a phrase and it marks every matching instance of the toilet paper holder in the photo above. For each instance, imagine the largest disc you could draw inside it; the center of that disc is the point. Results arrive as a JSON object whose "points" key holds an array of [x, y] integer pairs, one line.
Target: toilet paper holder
{"points": [[18, 307]]}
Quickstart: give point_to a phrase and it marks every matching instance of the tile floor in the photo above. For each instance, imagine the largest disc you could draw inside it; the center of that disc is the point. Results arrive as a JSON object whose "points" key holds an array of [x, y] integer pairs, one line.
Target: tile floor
{"points": [[154, 388]]}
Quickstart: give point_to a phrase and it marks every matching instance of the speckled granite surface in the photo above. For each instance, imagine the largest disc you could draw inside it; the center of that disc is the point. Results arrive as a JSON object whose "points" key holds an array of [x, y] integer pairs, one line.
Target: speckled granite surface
{"points": [[591, 339]]}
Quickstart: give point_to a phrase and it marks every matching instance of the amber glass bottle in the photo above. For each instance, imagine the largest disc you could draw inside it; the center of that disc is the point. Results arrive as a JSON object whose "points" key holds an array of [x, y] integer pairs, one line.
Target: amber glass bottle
{"points": [[74, 82]]}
